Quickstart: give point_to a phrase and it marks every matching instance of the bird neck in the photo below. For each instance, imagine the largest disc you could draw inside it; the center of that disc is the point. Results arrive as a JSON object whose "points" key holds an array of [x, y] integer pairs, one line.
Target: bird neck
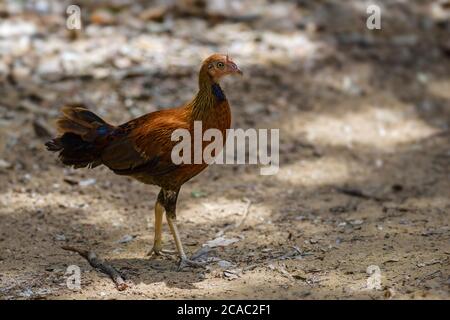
{"points": [[209, 95]]}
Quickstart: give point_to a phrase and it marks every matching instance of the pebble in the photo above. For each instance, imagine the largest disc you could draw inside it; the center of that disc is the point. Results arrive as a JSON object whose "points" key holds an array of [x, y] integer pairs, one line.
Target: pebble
{"points": [[126, 238], [60, 237], [5, 164], [87, 182], [224, 264]]}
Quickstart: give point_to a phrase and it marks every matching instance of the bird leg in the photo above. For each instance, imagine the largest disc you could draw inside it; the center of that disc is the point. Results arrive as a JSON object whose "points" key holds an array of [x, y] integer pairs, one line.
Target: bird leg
{"points": [[157, 249], [184, 261], [170, 202]]}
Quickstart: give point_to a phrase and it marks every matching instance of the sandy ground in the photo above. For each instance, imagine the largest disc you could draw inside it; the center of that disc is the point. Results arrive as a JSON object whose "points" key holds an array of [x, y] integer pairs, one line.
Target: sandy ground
{"points": [[364, 174]]}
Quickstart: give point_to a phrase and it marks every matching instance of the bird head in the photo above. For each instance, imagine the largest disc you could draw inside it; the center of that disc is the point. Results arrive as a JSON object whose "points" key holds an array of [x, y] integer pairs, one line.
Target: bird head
{"points": [[219, 65]]}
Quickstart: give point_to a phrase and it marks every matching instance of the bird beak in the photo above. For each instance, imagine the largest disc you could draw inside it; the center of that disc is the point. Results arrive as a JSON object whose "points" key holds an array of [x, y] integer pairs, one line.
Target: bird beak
{"points": [[233, 68]]}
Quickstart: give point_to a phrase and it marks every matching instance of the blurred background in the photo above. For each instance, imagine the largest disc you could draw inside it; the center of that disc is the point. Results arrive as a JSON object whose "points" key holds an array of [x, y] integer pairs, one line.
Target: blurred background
{"points": [[364, 121]]}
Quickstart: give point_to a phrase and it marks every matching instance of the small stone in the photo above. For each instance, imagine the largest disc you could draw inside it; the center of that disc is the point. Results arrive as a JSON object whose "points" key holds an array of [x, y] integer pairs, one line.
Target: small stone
{"points": [[87, 182], [224, 264], [5, 164], [357, 222], [422, 77], [126, 238], [27, 293], [60, 237]]}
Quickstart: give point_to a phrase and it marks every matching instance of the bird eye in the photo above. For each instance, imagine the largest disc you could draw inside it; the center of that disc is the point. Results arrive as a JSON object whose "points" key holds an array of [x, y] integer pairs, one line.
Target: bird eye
{"points": [[220, 65]]}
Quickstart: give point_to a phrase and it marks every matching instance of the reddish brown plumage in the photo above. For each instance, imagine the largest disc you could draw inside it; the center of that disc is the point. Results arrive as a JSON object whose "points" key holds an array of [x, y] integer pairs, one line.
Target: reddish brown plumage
{"points": [[142, 147]]}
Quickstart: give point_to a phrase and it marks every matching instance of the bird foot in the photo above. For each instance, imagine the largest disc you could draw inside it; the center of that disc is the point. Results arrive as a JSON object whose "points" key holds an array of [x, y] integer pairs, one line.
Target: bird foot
{"points": [[185, 263], [160, 253]]}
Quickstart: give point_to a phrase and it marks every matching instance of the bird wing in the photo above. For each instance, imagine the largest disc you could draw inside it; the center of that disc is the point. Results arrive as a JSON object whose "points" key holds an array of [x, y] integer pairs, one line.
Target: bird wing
{"points": [[144, 144]]}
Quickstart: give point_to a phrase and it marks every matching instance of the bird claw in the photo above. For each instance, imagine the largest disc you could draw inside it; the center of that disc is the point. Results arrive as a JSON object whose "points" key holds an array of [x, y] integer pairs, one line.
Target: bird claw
{"points": [[185, 263], [159, 252]]}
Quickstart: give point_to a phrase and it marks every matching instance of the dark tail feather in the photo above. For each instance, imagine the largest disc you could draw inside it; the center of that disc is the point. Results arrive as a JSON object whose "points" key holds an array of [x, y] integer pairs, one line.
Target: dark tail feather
{"points": [[82, 137], [54, 145], [82, 116]]}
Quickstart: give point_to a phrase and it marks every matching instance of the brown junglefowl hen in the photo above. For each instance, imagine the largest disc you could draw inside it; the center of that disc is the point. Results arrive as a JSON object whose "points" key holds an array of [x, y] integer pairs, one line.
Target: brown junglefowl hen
{"points": [[141, 148]]}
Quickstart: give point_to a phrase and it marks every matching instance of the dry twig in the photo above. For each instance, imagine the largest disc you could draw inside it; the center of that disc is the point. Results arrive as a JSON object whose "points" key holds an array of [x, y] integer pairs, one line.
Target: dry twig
{"points": [[101, 265]]}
